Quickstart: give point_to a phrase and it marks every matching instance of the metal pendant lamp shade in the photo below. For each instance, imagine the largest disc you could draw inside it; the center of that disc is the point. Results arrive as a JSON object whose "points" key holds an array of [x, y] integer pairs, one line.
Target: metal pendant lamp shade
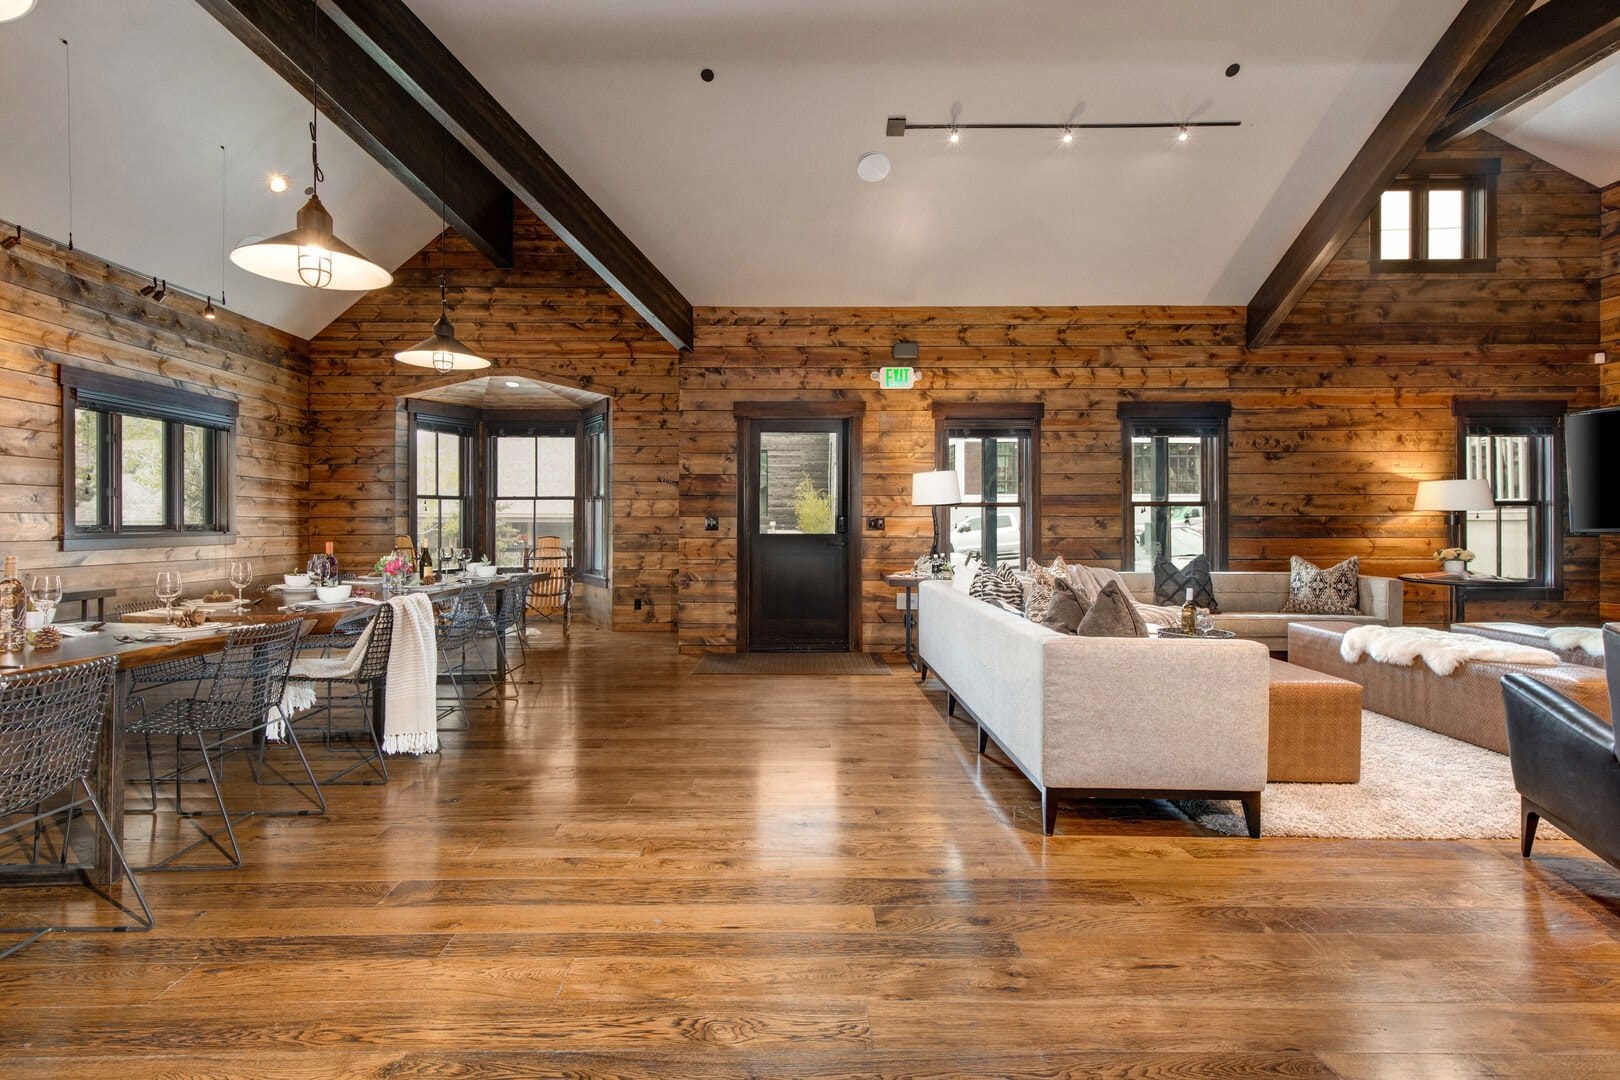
{"points": [[15, 9], [311, 255], [441, 351]]}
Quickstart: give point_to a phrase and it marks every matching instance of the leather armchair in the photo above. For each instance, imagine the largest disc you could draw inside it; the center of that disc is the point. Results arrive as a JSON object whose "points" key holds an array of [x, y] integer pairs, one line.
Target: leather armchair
{"points": [[1564, 761]]}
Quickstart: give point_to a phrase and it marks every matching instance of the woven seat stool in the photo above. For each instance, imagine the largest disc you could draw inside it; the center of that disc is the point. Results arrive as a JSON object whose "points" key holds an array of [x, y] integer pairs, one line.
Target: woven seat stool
{"points": [[1315, 727]]}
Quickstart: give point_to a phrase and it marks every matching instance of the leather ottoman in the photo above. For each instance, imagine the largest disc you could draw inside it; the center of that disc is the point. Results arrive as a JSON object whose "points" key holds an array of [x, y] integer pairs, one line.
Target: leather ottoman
{"points": [[1315, 727]]}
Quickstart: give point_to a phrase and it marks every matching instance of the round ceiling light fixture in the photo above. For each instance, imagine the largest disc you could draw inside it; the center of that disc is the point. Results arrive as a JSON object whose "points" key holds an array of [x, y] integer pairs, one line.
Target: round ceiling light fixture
{"points": [[872, 166], [15, 9], [276, 182]]}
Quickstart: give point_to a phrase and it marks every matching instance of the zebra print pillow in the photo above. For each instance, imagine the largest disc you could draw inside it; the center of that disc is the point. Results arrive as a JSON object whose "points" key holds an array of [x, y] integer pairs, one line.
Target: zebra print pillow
{"points": [[999, 583]]}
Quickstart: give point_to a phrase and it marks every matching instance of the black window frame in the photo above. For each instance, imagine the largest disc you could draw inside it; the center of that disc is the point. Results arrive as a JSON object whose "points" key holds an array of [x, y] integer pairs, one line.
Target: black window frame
{"points": [[111, 399], [446, 420], [593, 541], [525, 424], [976, 420], [1208, 421], [1544, 419], [1477, 178]]}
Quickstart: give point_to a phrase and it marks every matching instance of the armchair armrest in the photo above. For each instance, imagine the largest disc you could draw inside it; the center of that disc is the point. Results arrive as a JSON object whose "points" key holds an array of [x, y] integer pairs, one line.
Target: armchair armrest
{"points": [[1382, 598], [1563, 756]]}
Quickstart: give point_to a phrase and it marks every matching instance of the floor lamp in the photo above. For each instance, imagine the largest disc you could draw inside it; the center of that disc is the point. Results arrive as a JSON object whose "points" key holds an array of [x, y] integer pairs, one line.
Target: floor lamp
{"points": [[1454, 497], [935, 489]]}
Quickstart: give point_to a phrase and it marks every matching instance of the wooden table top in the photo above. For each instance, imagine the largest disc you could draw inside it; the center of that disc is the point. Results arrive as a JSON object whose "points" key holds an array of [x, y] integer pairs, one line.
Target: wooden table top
{"points": [[132, 654]]}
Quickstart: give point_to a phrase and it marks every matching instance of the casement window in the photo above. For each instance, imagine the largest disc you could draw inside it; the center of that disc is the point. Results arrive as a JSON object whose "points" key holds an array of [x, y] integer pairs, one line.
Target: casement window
{"points": [[441, 481], [144, 464], [995, 451], [595, 465], [1515, 446], [1438, 217], [1174, 482]]}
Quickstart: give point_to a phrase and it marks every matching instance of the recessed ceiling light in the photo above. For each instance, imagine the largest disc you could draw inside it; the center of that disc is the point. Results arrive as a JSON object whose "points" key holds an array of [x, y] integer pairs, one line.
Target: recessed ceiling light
{"points": [[872, 166], [513, 383], [707, 74], [277, 183], [14, 9]]}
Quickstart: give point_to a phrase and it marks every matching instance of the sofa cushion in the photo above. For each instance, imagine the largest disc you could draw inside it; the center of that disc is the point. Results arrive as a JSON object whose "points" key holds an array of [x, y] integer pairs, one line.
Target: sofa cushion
{"points": [[1038, 589], [1314, 591], [1170, 584], [998, 583], [1067, 608], [1112, 614]]}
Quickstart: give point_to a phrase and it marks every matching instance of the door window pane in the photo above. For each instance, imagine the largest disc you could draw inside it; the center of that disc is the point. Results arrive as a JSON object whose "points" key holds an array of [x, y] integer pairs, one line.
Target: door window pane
{"points": [[1445, 224], [1395, 225], [143, 471], [87, 504], [196, 476], [799, 490]]}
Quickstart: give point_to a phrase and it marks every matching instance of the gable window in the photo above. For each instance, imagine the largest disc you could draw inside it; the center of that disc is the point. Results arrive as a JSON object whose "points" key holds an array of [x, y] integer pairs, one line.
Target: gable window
{"points": [[441, 484], [995, 451], [1515, 447], [144, 464], [1437, 218], [1174, 477]]}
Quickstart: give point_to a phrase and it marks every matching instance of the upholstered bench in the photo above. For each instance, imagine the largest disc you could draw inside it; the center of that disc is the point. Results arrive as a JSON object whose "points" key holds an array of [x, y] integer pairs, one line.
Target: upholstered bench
{"points": [[1315, 727], [1527, 634], [1466, 704]]}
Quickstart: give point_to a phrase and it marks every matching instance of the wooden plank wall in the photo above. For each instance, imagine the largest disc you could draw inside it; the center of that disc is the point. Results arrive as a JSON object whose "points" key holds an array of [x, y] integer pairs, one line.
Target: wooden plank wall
{"points": [[1610, 329], [1330, 433], [548, 317], [61, 307]]}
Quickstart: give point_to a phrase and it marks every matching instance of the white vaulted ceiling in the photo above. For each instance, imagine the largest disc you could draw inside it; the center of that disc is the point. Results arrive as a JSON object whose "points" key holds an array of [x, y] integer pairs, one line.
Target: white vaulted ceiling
{"points": [[1575, 125]]}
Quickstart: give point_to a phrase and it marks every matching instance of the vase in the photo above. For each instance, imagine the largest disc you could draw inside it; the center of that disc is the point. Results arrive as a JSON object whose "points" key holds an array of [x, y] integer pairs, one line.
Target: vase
{"points": [[1454, 566]]}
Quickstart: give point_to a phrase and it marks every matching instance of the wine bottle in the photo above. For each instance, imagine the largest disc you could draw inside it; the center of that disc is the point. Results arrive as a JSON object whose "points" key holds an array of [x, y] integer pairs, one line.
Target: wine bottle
{"points": [[425, 565], [1189, 614], [13, 609]]}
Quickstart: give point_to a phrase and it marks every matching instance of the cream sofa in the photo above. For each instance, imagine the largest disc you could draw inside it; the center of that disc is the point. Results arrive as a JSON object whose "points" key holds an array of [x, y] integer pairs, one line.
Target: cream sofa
{"points": [[1252, 604], [1088, 717]]}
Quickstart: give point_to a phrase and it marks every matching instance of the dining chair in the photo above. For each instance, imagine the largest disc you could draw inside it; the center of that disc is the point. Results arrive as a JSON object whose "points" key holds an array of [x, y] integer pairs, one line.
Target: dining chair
{"points": [[241, 698], [457, 632], [190, 669], [551, 589], [50, 722], [343, 635], [509, 615], [359, 672]]}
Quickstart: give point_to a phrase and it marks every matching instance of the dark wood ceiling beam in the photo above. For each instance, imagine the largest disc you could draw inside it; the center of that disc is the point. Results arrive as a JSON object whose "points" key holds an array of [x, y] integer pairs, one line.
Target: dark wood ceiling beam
{"points": [[374, 111], [392, 36], [1552, 43], [1469, 42]]}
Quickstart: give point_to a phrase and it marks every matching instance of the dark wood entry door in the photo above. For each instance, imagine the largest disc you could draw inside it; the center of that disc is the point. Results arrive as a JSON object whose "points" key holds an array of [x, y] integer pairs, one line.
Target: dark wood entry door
{"points": [[795, 520]]}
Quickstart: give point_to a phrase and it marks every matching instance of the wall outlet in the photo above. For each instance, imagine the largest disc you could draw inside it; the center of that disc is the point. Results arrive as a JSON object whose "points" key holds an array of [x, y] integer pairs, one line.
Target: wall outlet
{"points": [[711, 523], [638, 603], [874, 524]]}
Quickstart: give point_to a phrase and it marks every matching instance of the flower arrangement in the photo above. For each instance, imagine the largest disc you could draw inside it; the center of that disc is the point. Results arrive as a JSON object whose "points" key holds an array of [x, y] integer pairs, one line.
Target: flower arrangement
{"points": [[1455, 554], [395, 565]]}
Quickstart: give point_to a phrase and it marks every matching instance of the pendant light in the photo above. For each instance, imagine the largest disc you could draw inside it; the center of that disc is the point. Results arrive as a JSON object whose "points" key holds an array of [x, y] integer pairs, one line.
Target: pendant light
{"points": [[440, 350], [311, 254], [14, 9]]}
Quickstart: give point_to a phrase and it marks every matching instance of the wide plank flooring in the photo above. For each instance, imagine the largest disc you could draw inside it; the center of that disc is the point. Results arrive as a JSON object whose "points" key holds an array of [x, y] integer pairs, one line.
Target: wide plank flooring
{"points": [[632, 871]]}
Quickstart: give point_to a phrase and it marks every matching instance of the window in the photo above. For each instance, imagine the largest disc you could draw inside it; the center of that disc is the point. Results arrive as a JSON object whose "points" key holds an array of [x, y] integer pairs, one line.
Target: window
{"points": [[1437, 218], [441, 484], [534, 486], [1515, 446], [1174, 482], [995, 452], [591, 558], [144, 464]]}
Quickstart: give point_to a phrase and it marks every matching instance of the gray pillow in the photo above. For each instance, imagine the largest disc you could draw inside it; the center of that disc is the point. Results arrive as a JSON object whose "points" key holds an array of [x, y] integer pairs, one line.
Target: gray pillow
{"points": [[1113, 614], [1170, 583], [1066, 609]]}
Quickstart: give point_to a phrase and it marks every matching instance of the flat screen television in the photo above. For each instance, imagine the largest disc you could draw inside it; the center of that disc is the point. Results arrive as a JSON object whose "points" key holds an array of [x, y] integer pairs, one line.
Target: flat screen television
{"points": [[1592, 462]]}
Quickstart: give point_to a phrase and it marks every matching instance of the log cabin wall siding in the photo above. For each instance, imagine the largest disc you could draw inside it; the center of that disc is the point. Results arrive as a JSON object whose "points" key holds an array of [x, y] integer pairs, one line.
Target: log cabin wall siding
{"points": [[60, 307], [1609, 315], [548, 317]]}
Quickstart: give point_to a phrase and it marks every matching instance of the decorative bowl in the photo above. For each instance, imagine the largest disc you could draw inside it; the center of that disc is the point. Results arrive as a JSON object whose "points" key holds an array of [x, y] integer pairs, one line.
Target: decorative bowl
{"points": [[295, 581], [331, 594], [484, 570]]}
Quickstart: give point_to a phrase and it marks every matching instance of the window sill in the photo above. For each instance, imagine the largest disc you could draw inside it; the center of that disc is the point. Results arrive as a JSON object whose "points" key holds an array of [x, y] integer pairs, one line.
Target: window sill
{"points": [[1432, 266], [117, 541], [593, 579]]}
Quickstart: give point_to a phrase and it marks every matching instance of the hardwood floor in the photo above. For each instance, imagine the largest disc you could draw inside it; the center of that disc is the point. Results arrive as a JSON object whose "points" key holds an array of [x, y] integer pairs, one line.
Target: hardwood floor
{"points": [[632, 871]]}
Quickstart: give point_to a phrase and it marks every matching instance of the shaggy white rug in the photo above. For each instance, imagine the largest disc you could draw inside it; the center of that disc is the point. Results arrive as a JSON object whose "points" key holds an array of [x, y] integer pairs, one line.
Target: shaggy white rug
{"points": [[1443, 652], [1415, 785], [1587, 640]]}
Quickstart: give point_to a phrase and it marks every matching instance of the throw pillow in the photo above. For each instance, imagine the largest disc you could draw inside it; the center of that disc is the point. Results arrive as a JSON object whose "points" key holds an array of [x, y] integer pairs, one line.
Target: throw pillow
{"points": [[1038, 589], [1113, 614], [999, 583], [1314, 591], [962, 578], [1170, 584], [1067, 609]]}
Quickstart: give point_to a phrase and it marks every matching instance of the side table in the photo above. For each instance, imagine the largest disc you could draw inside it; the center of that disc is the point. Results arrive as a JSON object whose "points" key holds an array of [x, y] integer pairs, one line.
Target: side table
{"points": [[908, 581], [1458, 585]]}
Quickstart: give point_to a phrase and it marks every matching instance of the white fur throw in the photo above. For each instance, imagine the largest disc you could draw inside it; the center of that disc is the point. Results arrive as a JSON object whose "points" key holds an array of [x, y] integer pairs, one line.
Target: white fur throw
{"points": [[1588, 641], [1443, 652]]}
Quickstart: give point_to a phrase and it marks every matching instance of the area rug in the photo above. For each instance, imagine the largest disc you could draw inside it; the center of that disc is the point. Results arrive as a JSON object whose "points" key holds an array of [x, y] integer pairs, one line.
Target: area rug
{"points": [[1415, 785], [792, 663]]}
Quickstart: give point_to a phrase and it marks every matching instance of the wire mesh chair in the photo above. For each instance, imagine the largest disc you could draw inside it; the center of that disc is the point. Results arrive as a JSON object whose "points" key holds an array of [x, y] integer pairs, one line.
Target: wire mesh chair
{"points": [[242, 697], [343, 635], [551, 589], [190, 669], [457, 632], [49, 724], [509, 615], [360, 671]]}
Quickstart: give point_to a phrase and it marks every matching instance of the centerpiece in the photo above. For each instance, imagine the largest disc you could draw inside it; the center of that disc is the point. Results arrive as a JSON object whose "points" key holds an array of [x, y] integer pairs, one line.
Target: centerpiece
{"points": [[396, 569], [1454, 560]]}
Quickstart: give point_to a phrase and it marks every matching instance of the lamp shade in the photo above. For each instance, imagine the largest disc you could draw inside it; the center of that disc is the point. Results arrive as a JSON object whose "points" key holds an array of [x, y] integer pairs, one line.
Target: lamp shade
{"points": [[441, 351], [1454, 495], [311, 255], [935, 488], [14, 9]]}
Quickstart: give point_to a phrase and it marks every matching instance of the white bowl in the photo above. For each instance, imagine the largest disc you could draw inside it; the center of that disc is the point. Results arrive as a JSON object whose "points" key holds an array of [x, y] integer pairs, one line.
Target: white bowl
{"points": [[296, 581], [331, 594], [482, 569]]}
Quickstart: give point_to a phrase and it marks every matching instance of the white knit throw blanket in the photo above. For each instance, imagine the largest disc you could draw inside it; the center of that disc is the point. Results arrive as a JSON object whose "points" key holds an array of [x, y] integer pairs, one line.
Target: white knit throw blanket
{"points": [[413, 679], [1587, 640], [1443, 652]]}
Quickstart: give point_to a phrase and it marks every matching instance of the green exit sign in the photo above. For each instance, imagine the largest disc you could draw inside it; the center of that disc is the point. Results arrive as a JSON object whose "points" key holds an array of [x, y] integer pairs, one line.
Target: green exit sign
{"points": [[898, 378]]}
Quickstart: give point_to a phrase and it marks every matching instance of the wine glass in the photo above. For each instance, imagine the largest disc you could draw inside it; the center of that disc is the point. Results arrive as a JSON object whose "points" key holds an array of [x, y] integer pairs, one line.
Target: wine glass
{"points": [[46, 589], [241, 577], [168, 591]]}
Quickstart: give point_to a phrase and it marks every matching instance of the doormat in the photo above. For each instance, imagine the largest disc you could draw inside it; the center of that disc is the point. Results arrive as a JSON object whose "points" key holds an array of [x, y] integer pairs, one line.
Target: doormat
{"points": [[791, 663]]}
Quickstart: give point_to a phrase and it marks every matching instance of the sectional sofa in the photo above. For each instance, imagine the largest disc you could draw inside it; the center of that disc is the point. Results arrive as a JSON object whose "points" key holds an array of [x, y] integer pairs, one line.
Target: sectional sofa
{"points": [[1252, 602]]}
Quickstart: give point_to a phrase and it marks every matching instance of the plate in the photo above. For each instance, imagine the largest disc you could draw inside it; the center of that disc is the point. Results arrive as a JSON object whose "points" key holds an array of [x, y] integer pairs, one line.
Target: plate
{"points": [[184, 631], [222, 605]]}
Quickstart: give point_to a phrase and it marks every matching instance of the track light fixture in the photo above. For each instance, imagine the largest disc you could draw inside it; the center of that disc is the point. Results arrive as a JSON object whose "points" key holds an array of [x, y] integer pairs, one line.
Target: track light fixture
{"points": [[955, 136], [1068, 136], [897, 126], [1183, 134], [148, 290], [161, 293], [11, 241], [208, 310]]}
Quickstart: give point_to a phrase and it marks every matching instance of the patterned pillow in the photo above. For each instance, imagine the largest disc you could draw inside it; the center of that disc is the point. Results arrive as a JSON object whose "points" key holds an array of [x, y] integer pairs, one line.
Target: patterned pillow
{"points": [[998, 584], [1314, 591], [1038, 590], [1170, 584]]}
